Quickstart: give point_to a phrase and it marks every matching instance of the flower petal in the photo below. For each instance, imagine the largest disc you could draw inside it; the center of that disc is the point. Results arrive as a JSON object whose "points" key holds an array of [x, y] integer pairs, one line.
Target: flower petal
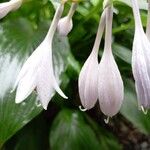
{"points": [[141, 68], [6, 7], [110, 86], [26, 85], [88, 82]]}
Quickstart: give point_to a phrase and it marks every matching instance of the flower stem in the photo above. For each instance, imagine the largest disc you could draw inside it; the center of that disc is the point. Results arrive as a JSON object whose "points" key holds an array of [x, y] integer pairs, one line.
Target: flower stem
{"points": [[72, 10], [108, 33], [100, 32], [136, 13], [54, 23]]}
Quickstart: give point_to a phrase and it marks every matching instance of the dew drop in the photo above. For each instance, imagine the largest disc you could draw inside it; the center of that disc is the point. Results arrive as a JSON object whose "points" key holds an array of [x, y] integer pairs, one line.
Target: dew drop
{"points": [[82, 109]]}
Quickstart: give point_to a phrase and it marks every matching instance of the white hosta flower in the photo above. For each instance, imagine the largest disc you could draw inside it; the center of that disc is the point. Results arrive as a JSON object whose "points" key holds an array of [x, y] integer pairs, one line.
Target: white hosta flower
{"points": [[141, 60], [110, 84], [7, 7], [65, 24], [88, 78], [37, 72]]}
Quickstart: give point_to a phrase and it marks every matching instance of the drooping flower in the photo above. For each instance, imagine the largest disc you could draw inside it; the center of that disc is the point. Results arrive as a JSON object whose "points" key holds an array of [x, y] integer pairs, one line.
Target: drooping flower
{"points": [[141, 60], [37, 72], [65, 24], [7, 7], [110, 84], [88, 83]]}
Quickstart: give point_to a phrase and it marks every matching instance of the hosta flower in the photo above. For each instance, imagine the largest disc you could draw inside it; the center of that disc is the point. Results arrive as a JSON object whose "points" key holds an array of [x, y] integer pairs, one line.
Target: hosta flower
{"points": [[88, 82], [141, 60], [65, 24], [110, 84], [7, 7], [37, 72]]}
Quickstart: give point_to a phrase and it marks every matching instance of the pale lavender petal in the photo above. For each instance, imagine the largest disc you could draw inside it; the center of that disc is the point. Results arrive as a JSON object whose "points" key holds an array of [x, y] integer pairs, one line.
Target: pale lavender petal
{"points": [[110, 86], [6, 7], [141, 68], [88, 82]]}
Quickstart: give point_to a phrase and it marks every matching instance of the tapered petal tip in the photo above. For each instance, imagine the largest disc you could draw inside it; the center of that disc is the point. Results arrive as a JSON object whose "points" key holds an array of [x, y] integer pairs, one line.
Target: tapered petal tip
{"points": [[19, 99], [45, 107]]}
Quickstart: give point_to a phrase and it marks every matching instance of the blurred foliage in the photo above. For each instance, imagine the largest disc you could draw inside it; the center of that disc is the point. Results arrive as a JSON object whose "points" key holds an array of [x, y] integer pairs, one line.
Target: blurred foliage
{"points": [[63, 126]]}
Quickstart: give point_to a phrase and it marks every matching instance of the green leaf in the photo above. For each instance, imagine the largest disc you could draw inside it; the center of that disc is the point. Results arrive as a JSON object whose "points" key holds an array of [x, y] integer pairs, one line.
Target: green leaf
{"points": [[70, 132], [131, 111], [18, 39], [122, 52], [142, 3], [107, 140]]}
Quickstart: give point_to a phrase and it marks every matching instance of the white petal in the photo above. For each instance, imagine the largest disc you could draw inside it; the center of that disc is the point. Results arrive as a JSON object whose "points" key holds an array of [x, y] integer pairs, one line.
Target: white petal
{"points": [[64, 26], [88, 82], [141, 68], [31, 63], [46, 82], [110, 85], [45, 88], [26, 85], [6, 7], [26, 79]]}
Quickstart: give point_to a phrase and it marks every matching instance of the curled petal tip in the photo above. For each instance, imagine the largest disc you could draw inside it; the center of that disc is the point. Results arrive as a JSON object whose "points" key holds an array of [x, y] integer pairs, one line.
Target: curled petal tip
{"points": [[107, 120], [82, 109], [145, 111]]}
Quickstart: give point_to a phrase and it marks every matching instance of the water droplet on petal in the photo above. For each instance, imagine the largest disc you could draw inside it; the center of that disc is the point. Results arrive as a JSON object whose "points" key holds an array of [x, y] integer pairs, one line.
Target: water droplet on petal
{"points": [[145, 111], [82, 109], [106, 120]]}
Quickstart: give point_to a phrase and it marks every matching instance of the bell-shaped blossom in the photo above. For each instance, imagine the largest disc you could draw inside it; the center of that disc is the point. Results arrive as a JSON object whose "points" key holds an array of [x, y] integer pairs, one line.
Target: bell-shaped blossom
{"points": [[7, 7], [110, 84], [37, 72], [141, 60], [65, 24], [88, 78]]}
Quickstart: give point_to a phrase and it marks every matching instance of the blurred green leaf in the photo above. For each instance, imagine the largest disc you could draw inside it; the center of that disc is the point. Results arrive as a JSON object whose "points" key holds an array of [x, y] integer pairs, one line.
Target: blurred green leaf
{"points": [[142, 3], [131, 111], [122, 52], [107, 140], [70, 132], [18, 39]]}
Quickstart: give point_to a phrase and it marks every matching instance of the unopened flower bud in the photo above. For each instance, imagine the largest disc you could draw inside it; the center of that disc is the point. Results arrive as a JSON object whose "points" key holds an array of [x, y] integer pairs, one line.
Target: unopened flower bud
{"points": [[65, 24], [88, 78], [110, 84]]}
